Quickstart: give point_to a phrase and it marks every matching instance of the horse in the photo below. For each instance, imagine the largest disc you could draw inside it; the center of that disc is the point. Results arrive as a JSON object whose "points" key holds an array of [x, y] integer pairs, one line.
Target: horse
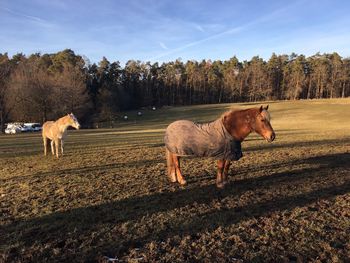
{"points": [[56, 131], [220, 139]]}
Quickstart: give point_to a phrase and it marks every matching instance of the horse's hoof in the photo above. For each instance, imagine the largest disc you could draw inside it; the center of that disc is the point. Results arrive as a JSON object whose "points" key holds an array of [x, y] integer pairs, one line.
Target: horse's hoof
{"points": [[172, 178], [182, 182], [220, 185]]}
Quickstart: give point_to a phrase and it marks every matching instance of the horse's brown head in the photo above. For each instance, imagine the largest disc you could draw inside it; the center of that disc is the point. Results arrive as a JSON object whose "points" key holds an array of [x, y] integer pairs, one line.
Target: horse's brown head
{"points": [[240, 123], [262, 125], [73, 121]]}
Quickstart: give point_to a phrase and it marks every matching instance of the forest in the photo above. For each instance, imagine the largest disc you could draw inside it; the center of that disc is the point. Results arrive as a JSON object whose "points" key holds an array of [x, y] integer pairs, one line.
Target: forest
{"points": [[42, 87]]}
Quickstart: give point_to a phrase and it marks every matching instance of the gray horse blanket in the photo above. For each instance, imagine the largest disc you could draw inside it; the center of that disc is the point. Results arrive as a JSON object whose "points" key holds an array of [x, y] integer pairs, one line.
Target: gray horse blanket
{"points": [[186, 138]]}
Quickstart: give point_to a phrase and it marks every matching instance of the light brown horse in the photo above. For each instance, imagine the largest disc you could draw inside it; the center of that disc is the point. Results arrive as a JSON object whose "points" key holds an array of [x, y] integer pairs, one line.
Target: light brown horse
{"points": [[56, 131], [220, 139]]}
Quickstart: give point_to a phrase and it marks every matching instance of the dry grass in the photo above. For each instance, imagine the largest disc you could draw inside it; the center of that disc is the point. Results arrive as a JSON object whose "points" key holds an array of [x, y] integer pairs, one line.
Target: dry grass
{"points": [[288, 201]]}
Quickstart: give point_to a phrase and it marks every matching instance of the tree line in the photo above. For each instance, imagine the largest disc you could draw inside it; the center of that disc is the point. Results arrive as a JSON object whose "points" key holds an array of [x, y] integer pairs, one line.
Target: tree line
{"points": [[46, 86]]}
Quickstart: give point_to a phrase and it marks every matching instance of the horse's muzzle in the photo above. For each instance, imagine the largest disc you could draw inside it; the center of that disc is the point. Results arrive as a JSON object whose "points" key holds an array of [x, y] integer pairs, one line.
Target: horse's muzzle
{"points": [[271, 138]]}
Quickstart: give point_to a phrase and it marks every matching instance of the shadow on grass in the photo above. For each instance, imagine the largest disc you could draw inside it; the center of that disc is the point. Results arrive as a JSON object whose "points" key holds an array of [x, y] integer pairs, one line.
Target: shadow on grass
{"points": [[277, 145], [87, 220], [140, 163], [81, 171]]}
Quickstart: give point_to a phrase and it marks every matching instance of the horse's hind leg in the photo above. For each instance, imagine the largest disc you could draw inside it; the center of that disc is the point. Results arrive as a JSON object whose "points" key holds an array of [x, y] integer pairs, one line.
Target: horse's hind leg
{"points": [[179, 176], [225, 173], [219, 176], [171, 171]]}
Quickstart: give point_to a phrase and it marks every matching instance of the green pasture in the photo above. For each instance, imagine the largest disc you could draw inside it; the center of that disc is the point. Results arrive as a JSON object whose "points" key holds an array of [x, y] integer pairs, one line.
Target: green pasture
{"points": [[108, 197]]}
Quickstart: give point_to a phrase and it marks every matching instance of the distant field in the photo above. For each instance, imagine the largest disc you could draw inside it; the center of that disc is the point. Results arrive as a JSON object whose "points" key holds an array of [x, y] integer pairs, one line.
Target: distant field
{"points": [[288, 201]]}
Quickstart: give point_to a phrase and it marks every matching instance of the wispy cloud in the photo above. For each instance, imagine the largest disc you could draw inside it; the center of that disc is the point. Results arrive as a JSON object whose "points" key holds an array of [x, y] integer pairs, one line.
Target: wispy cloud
{"points": [[163, 46], [194, 43], [234, 30], [165, 30], [199, 28], [35, 19]]}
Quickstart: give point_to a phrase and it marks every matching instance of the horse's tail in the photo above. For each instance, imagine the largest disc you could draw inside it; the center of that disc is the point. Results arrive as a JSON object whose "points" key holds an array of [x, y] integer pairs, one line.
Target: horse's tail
{"points": [[170, 166]]}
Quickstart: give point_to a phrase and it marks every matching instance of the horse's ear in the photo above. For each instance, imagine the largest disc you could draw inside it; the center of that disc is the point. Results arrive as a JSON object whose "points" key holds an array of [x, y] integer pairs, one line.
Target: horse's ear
{"points": [[266, 108], [261, 108]]}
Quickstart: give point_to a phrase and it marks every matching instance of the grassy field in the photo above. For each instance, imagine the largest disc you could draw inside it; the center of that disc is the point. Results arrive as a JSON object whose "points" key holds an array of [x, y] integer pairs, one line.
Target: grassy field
{"points": [[109, 197]]}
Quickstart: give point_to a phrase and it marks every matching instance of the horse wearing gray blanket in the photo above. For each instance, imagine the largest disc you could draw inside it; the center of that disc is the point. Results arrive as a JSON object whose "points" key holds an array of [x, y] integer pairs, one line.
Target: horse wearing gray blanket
{"points": [[186, 138], [220, 139]]}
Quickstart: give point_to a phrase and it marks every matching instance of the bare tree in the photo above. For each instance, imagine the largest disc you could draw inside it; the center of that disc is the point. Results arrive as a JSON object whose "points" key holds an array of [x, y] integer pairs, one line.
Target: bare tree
{"points": [[31, 92], [5, 106], [69, 90]]}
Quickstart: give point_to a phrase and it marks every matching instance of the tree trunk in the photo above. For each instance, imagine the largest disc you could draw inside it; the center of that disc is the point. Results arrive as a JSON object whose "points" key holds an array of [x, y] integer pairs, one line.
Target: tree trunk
{"points": [[296, 91], [241, 89], [317, 95], [2, 124], [220, 94], [309, 89], [321, 91]]}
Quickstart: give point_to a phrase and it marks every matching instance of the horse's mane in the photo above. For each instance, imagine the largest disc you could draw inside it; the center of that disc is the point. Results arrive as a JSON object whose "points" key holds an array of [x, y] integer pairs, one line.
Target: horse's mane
{"points": [[228, 112], [232, 111], [61, 119]]}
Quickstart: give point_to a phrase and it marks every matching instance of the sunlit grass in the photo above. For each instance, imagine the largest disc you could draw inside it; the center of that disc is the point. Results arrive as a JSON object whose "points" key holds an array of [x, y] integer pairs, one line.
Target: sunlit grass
{"points": [[109, 195]]}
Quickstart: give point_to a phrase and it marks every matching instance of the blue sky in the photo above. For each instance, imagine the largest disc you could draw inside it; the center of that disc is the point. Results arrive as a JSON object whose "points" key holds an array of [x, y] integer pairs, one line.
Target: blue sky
{"points": [[163, 30]]}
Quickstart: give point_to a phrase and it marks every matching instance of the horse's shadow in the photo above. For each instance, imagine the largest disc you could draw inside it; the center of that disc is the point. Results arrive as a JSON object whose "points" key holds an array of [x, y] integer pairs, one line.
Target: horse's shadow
{"points": [[277, 145], [86, 220]]}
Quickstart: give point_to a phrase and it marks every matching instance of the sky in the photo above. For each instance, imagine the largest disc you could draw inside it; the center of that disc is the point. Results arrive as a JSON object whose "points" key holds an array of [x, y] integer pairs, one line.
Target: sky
{"points": [[165, 30]]}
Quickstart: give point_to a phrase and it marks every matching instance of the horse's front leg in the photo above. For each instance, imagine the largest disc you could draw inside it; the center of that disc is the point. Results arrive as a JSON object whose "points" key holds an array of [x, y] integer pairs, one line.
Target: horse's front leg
{"points": [[56, 144], [62, 146], [179, 176], [53, 147], [219, 176], [45, 145], [225, 173]]}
